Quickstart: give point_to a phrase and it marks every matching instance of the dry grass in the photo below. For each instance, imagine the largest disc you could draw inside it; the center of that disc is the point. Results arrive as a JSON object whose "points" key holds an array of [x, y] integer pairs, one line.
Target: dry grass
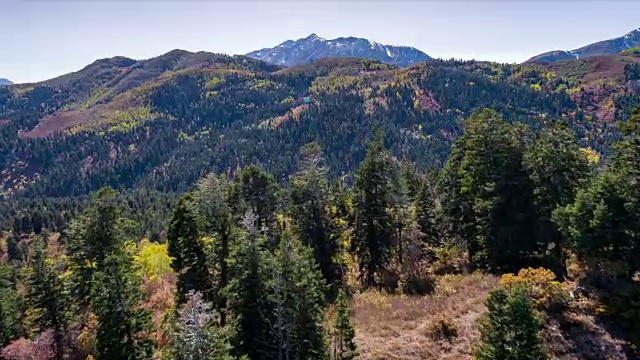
{"points": [[401, 327]]}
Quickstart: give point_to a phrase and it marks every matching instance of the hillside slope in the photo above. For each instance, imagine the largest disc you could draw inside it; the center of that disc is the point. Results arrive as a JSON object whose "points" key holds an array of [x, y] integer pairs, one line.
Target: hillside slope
{"points": [[160, 124]]}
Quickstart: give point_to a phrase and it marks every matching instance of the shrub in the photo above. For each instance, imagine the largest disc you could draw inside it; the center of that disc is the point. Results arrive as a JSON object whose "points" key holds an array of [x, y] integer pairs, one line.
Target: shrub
{"points": [[540, 284], [450, 258], [443, 329]]}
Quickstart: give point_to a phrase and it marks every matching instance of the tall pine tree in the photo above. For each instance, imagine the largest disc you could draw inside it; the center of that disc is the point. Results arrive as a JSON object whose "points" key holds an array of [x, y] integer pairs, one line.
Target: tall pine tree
{"points": [[309, 197], [374, 224], [190, 261], [47, 296]]}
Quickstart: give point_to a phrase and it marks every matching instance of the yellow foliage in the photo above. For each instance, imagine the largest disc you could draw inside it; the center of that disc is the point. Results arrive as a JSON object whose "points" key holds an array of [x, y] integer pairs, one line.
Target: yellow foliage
{"points": [[592, 156], [536, 87], [152, 260], [541, 285]]}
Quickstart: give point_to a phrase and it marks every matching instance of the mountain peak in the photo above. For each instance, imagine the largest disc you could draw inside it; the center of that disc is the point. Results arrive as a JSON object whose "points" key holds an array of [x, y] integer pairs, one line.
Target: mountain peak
{"points": [[313, 36], [5, 82], [605, 47], [306, 50]]}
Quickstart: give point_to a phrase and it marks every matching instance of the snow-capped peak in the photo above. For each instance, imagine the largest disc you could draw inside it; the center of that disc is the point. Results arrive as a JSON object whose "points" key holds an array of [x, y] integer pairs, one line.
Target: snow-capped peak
{"points": [[312, 47]]}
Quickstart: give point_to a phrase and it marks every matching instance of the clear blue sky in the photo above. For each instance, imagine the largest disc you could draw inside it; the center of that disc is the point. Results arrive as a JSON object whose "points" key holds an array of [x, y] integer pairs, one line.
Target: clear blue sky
{"points": [[46, 38]]}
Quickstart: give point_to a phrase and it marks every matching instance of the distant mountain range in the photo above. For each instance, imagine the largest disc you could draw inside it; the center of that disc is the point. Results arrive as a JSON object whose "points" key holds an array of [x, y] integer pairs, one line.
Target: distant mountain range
{"points": [[606, 47], [306, 50], [5, 82]]}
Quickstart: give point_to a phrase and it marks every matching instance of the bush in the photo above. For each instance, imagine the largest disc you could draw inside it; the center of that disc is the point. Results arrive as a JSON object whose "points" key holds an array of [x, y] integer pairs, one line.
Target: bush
{"points": [[451, 258], [443, 329], [540, 284]]}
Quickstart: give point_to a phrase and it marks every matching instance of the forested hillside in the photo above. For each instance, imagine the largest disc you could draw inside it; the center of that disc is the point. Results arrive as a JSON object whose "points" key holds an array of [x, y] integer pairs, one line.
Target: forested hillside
{"points": [[324, 269], [152, 127]]}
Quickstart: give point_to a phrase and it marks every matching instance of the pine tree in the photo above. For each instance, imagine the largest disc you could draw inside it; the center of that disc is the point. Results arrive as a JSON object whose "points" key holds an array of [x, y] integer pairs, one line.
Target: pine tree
{"points": [[487, 195], [344, 332], [190, 262], [376, 194], [123, 326], [298, 294], [211, 200], [309, 193], [106, 272], [92, 235], [604, 220], [257, 191], [248, 292], [47, 296], [196, 335], [557, 168], [510, 329]]}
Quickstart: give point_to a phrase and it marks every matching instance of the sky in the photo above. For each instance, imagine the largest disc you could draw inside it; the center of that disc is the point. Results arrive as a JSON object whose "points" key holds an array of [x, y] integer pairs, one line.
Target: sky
{"points": [[41, 39]]}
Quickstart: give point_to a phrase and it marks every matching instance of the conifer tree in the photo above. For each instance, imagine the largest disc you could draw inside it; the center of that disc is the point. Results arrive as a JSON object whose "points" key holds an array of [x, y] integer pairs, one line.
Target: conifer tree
{"points": [[248, 293], [106, 271], [123, 326], [196, 335], [92, 236], [604, 220], [344, 332], [190, 262], [47, 296], [376, 196], [510, 329], [487, 195], [557, 168], [309, 196], [298, 294], [211, 200]]}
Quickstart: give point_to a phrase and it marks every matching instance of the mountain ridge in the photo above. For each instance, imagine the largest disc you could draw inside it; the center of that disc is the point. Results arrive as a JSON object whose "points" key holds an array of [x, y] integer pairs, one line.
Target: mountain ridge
{"points": [[5, 81], [313, 47], [603, 47]]}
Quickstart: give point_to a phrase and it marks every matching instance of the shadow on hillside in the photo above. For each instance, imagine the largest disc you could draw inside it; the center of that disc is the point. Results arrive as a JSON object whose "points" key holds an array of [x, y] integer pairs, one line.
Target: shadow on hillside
{"points": [[579, 336], [612, 329]]}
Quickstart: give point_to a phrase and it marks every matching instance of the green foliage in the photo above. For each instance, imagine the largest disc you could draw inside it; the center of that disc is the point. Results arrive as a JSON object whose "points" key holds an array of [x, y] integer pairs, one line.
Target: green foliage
{"points": [[186, 249], [510, 330], [48, 297], [123, 326], [344, 332], [376, 197], [309, 211], [487, 195], [248, 291], [604, 219]]}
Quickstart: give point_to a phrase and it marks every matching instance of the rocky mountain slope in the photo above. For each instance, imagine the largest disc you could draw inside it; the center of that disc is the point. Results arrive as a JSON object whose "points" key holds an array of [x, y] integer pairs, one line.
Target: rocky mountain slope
{"points": [[606, 47], [5, 82], [306, 50]]}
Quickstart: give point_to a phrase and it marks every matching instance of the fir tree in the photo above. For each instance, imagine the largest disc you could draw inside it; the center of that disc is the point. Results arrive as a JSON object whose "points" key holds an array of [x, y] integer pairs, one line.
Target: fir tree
{"points": [[211, 200], [47, 296], [309, 193], [248, 292], [123, 326], [298, 294], [376, 196], [510, 330], [344, 332], [190, 262], [196, 335]]}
